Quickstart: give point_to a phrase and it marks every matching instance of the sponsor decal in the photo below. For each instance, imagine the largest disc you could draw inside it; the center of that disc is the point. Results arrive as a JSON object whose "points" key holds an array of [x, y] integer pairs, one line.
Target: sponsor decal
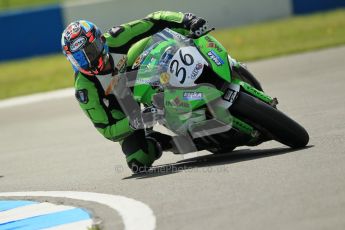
{"points": [[176, 102], [82, 96], [86, 25], [164, 78], [141, 58], [176, 35], [78, 43], [196, 71], [115, 31], [209, 39], [150, 81], [192, 96], [167, 56], [230, 95], [213, 44], [148, 50], [215, 58], [72, 31], [121, 65], [113, 82], [152, 63], [137, 62]]}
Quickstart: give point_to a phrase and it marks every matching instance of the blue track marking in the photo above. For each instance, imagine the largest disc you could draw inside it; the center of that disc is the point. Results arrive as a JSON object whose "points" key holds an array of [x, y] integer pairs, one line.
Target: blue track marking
{"points": [[47, 221], [7, 205]]}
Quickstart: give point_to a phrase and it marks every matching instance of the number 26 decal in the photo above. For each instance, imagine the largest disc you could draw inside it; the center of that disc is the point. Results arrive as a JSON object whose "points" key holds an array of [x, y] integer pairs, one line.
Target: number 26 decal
{"points": [[175, 68]]}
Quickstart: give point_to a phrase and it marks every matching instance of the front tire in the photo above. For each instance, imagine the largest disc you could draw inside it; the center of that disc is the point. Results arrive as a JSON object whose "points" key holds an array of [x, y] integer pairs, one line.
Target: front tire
{"points": [[269, 120], [243, 74]]}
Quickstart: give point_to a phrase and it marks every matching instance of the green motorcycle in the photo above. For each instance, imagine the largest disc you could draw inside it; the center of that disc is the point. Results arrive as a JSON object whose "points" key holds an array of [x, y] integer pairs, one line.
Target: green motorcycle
{"points": [[208, 99]]}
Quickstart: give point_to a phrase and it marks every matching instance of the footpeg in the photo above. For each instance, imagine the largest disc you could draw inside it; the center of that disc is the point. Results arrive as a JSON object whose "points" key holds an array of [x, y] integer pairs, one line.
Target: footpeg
{"points": [[274, 102]]}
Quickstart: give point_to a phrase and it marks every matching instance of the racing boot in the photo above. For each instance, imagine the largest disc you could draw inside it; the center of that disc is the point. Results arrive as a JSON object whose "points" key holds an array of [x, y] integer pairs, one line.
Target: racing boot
{"points": [[142, 159]]}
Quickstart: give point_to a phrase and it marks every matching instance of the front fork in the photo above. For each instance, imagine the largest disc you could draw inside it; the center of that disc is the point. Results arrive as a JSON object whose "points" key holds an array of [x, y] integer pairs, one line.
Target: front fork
{"points": [[238, 124], [248, 88], [256, 93]]}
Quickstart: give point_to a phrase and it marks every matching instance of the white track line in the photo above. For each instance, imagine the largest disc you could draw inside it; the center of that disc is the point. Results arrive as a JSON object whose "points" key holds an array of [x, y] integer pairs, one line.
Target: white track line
{"points": [[31, 211], [135, 214], [16, 101], [86, 224]]}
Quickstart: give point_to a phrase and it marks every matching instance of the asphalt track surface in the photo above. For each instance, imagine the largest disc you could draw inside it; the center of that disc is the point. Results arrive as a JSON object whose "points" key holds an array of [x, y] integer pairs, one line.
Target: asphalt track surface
{"points": [[52, 146]]}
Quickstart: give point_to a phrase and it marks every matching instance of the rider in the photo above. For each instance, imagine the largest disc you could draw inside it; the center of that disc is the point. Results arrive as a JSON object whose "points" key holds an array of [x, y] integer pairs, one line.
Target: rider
{"points": [[97, 57]]}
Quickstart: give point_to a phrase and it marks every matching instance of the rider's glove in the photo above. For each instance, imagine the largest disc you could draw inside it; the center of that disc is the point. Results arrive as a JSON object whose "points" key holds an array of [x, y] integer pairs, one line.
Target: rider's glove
{"points": [[146, 119], [197, 26], [136, 123], [151, 116]]}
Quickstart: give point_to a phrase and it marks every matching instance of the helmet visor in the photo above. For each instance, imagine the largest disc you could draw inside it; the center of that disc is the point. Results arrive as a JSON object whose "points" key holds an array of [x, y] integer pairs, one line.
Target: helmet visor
{"points": [[87, 58], [93, 51]]}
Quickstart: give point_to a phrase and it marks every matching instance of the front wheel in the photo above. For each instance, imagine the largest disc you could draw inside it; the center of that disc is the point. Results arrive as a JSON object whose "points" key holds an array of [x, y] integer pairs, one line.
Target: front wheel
{"points": [[243, 74], [270, 121]]}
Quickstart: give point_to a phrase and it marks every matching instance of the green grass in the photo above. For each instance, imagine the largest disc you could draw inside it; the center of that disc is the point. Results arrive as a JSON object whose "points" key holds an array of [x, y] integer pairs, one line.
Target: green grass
{"points": [[264, 40], [292, 35], [35, 75], [96, 227], [13, 4]]}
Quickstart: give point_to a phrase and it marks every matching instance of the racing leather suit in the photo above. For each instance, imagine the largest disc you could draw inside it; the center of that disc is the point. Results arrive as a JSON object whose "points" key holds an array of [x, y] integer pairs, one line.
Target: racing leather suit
{"points": [[103, 108]]}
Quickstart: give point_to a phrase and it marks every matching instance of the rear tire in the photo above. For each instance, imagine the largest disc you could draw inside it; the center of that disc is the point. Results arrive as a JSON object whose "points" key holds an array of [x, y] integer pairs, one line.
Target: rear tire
{"points": [[270, 121]]}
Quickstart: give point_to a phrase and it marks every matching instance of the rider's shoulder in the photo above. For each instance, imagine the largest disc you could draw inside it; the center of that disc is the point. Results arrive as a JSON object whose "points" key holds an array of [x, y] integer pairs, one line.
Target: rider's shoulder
{"points": [[116, 31], [81, 80]]}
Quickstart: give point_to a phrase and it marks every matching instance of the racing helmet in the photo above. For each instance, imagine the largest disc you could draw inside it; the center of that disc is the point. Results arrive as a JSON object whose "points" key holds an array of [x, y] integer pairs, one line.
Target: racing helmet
{"points": [[85, 47]]}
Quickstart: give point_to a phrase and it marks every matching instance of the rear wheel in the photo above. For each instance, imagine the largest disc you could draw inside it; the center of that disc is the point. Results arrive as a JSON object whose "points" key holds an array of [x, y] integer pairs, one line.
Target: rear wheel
{"points": [[269, 121]]}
